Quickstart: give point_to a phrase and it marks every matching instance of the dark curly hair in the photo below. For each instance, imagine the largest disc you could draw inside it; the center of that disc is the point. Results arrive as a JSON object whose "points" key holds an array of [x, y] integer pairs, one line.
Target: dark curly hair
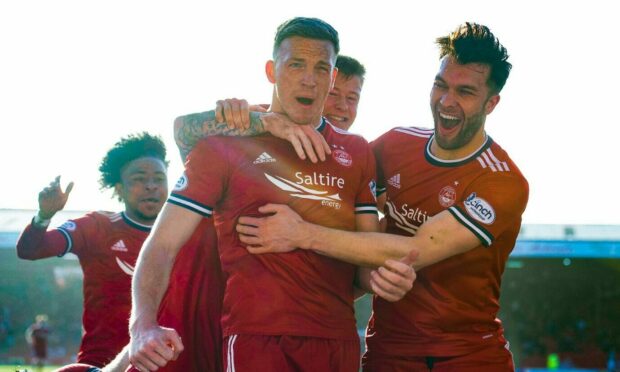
{"points": [[129, 148], [475, 43]]}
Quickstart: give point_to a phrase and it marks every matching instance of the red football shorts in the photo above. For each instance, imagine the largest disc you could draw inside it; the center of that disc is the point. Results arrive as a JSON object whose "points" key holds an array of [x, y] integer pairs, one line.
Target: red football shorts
{"points": [[495, 358], [289, 353]]}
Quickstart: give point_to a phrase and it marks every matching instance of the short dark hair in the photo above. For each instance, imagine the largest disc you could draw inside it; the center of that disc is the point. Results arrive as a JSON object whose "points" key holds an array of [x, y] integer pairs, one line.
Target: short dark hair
{"points": [[475, 43], [310, 28], [129, 148], [349, 67]]}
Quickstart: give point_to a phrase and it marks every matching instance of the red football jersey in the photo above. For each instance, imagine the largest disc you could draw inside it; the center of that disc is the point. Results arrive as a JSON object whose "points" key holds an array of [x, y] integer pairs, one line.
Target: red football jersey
{"points": [[192, 304], [452, 307], [298, 293], [107, 245]]}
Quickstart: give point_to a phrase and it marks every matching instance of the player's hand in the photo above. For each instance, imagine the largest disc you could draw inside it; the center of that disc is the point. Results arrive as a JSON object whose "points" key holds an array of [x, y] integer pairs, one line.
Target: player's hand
{"points": [[52, 199], [154, 347], [393, 280], [234, 112], [280, 232], [306, 140]]}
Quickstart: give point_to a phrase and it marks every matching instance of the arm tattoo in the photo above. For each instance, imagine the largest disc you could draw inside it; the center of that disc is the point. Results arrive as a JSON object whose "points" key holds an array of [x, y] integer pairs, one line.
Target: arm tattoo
{"points": [[194, 127]]}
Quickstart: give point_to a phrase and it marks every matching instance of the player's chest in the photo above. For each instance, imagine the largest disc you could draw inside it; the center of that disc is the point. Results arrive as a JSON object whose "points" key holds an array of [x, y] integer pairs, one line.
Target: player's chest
{"points": [[119, 251], [417, 190], [275, 172]]}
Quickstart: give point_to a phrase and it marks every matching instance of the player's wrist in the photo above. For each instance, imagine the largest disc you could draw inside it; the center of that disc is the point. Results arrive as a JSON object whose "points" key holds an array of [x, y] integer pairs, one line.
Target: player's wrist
{"points": [[141, 324], [257, 122], [42, 220], [306, 234]]}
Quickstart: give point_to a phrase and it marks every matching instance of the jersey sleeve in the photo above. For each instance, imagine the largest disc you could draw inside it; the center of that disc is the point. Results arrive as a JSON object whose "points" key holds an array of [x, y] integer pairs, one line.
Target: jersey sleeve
{"points": [[81, 233], [491, 204], [377, 148], [204, 179], [366, 198], [37, 243]]}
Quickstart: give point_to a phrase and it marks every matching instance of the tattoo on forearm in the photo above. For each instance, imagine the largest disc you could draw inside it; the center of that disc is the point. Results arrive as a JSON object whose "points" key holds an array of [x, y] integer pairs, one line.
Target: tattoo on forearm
{"points": [[195, 127]]}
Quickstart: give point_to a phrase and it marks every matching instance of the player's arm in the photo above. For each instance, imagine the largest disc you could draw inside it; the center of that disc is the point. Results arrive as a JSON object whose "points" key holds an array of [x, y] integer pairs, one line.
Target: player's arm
{"points": [[393, 279], [440, 237], [120, 363], [190, 129], [35, 242], [152, 346]]}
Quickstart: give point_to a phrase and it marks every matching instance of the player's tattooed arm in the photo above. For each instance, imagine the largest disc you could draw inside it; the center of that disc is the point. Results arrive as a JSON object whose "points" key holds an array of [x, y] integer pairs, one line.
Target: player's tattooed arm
{"points": [[190, 129]]}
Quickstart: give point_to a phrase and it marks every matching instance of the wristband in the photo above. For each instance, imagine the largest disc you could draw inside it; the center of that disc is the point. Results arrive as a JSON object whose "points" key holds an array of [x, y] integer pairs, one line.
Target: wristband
{"points": [[40, 222]]}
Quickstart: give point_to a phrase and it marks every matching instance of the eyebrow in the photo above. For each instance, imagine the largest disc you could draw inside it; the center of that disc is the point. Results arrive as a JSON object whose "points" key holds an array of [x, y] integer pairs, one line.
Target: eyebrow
{"points": [[139, 171], [463, 86]]}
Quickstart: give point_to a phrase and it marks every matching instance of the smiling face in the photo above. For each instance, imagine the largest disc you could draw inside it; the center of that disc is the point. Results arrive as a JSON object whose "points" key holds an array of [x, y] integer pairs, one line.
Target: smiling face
{"points": [[143, 188], [460, 101], [303, 73], [341, 104]]}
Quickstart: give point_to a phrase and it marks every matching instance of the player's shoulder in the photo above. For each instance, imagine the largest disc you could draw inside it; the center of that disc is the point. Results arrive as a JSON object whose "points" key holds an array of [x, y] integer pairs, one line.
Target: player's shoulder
{"points": [[105, 218], [343, 133], [407, 134], [220, 145], [495, 160], [414, 132], [89, 223], [402, 139], [106, 215]]}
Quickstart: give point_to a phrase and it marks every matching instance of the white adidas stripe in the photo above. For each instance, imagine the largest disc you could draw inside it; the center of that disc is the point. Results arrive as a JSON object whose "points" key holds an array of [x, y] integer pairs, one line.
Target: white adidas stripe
{"points": [[497, 161], [412, 132], [342, 131], [488, 161], [230, 363]]}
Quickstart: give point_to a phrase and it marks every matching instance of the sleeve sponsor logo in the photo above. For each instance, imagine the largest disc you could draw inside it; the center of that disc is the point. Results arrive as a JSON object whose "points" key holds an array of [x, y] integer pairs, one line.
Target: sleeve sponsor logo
{"points": [[181, 183], [479, 209], [69, 226]]}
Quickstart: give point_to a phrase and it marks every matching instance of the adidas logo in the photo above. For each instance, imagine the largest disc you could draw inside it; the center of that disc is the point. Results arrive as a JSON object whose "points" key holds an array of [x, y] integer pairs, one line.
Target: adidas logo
{"points": [[119, 246], [395, 181], [264, 158]]}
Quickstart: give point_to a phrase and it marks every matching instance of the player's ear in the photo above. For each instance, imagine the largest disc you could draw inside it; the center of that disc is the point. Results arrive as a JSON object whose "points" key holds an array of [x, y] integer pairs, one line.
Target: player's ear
{"points": [[491, 103], [118, 191], [270, 70]]}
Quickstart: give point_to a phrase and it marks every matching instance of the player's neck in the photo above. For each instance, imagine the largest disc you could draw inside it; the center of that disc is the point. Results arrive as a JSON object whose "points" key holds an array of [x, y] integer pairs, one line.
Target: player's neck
{"points": [[137, 218], [462, 152]]}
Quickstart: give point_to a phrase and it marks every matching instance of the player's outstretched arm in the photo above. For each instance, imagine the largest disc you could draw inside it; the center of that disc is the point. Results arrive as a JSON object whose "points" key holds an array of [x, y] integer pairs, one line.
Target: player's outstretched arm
{"points": [[189, 129], [120, 363], [235, 119], [152, 346], [440, 237], [34, 243]]}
